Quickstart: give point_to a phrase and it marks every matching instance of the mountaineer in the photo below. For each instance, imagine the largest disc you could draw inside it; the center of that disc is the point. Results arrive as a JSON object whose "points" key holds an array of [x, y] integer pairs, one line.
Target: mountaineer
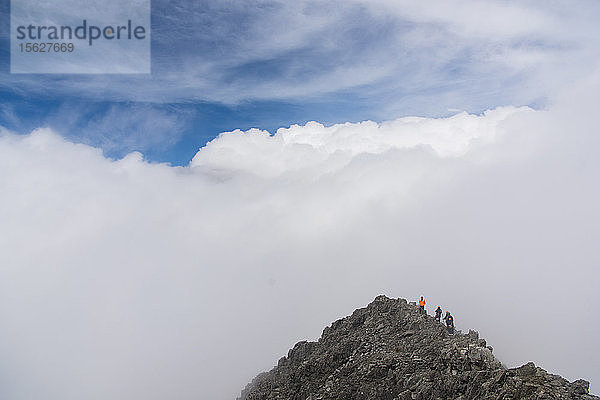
{"points": [[449, 322], [438, 314], [422, 305]]}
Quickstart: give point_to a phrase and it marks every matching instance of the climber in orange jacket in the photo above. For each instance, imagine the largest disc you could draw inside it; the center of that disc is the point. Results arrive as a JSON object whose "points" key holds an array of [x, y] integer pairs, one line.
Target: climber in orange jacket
{"points": [[422, 305]]}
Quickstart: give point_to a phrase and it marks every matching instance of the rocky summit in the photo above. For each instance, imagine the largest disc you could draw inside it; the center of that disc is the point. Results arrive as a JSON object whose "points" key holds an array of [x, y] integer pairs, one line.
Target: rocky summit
{"points": [[389, 351]]}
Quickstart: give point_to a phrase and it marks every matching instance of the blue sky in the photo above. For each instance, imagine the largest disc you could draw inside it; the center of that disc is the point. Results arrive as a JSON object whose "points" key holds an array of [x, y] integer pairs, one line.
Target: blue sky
{"points": [[218, 66]]}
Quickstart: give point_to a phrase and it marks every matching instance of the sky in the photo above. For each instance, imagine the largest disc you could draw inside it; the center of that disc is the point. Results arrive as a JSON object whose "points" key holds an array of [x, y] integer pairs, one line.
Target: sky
{"points": [[171, 235]]}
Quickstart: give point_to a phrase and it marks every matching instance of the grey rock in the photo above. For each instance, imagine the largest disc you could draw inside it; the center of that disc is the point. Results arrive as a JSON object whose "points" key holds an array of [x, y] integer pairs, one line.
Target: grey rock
{"points": [[388, 351]]}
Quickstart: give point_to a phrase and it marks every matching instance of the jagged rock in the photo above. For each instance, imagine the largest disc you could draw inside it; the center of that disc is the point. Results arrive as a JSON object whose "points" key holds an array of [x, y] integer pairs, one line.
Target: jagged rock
{"points": [[388, 351]]}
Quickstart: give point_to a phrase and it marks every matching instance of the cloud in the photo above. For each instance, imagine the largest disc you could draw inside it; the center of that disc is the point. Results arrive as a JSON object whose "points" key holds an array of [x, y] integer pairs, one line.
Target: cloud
{"points": [[126, 279], [404, 58], [122, 128], [329, 149]]}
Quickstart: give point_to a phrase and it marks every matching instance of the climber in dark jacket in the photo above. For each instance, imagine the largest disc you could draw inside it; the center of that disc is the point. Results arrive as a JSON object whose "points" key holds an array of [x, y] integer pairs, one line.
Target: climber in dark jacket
{"points": [[449, 322], [438, 314]]}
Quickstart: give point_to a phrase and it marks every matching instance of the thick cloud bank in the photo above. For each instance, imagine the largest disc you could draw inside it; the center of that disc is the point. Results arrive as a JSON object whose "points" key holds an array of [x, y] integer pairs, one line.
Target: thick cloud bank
{"points": [[123, 279]]}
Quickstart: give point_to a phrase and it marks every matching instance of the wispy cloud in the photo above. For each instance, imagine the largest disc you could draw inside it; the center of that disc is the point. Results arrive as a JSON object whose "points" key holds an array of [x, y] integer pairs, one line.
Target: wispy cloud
{"points": [[119, 129], [460, 52]]}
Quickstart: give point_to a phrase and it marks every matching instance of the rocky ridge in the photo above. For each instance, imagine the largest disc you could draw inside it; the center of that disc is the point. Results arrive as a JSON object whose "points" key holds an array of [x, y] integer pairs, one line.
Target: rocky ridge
{"points": [[388, 351]]}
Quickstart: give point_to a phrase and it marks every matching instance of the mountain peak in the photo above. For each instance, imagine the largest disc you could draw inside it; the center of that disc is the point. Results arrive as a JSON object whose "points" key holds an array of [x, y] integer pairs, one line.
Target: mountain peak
{"points": [[390, 351]]}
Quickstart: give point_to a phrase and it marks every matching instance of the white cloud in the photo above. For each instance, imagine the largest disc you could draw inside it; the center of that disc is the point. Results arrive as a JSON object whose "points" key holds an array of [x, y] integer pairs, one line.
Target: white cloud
{"points": [[331, 148], [123, 279]]}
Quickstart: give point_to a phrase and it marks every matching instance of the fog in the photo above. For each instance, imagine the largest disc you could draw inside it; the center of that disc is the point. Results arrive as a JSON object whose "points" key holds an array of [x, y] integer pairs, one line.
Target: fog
{"points": [[131, 280]]}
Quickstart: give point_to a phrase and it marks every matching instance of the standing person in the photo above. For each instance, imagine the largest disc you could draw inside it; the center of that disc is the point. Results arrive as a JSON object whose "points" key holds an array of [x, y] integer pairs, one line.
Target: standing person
{"points": [[422, 305], [449, 322], [438, 314]]}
